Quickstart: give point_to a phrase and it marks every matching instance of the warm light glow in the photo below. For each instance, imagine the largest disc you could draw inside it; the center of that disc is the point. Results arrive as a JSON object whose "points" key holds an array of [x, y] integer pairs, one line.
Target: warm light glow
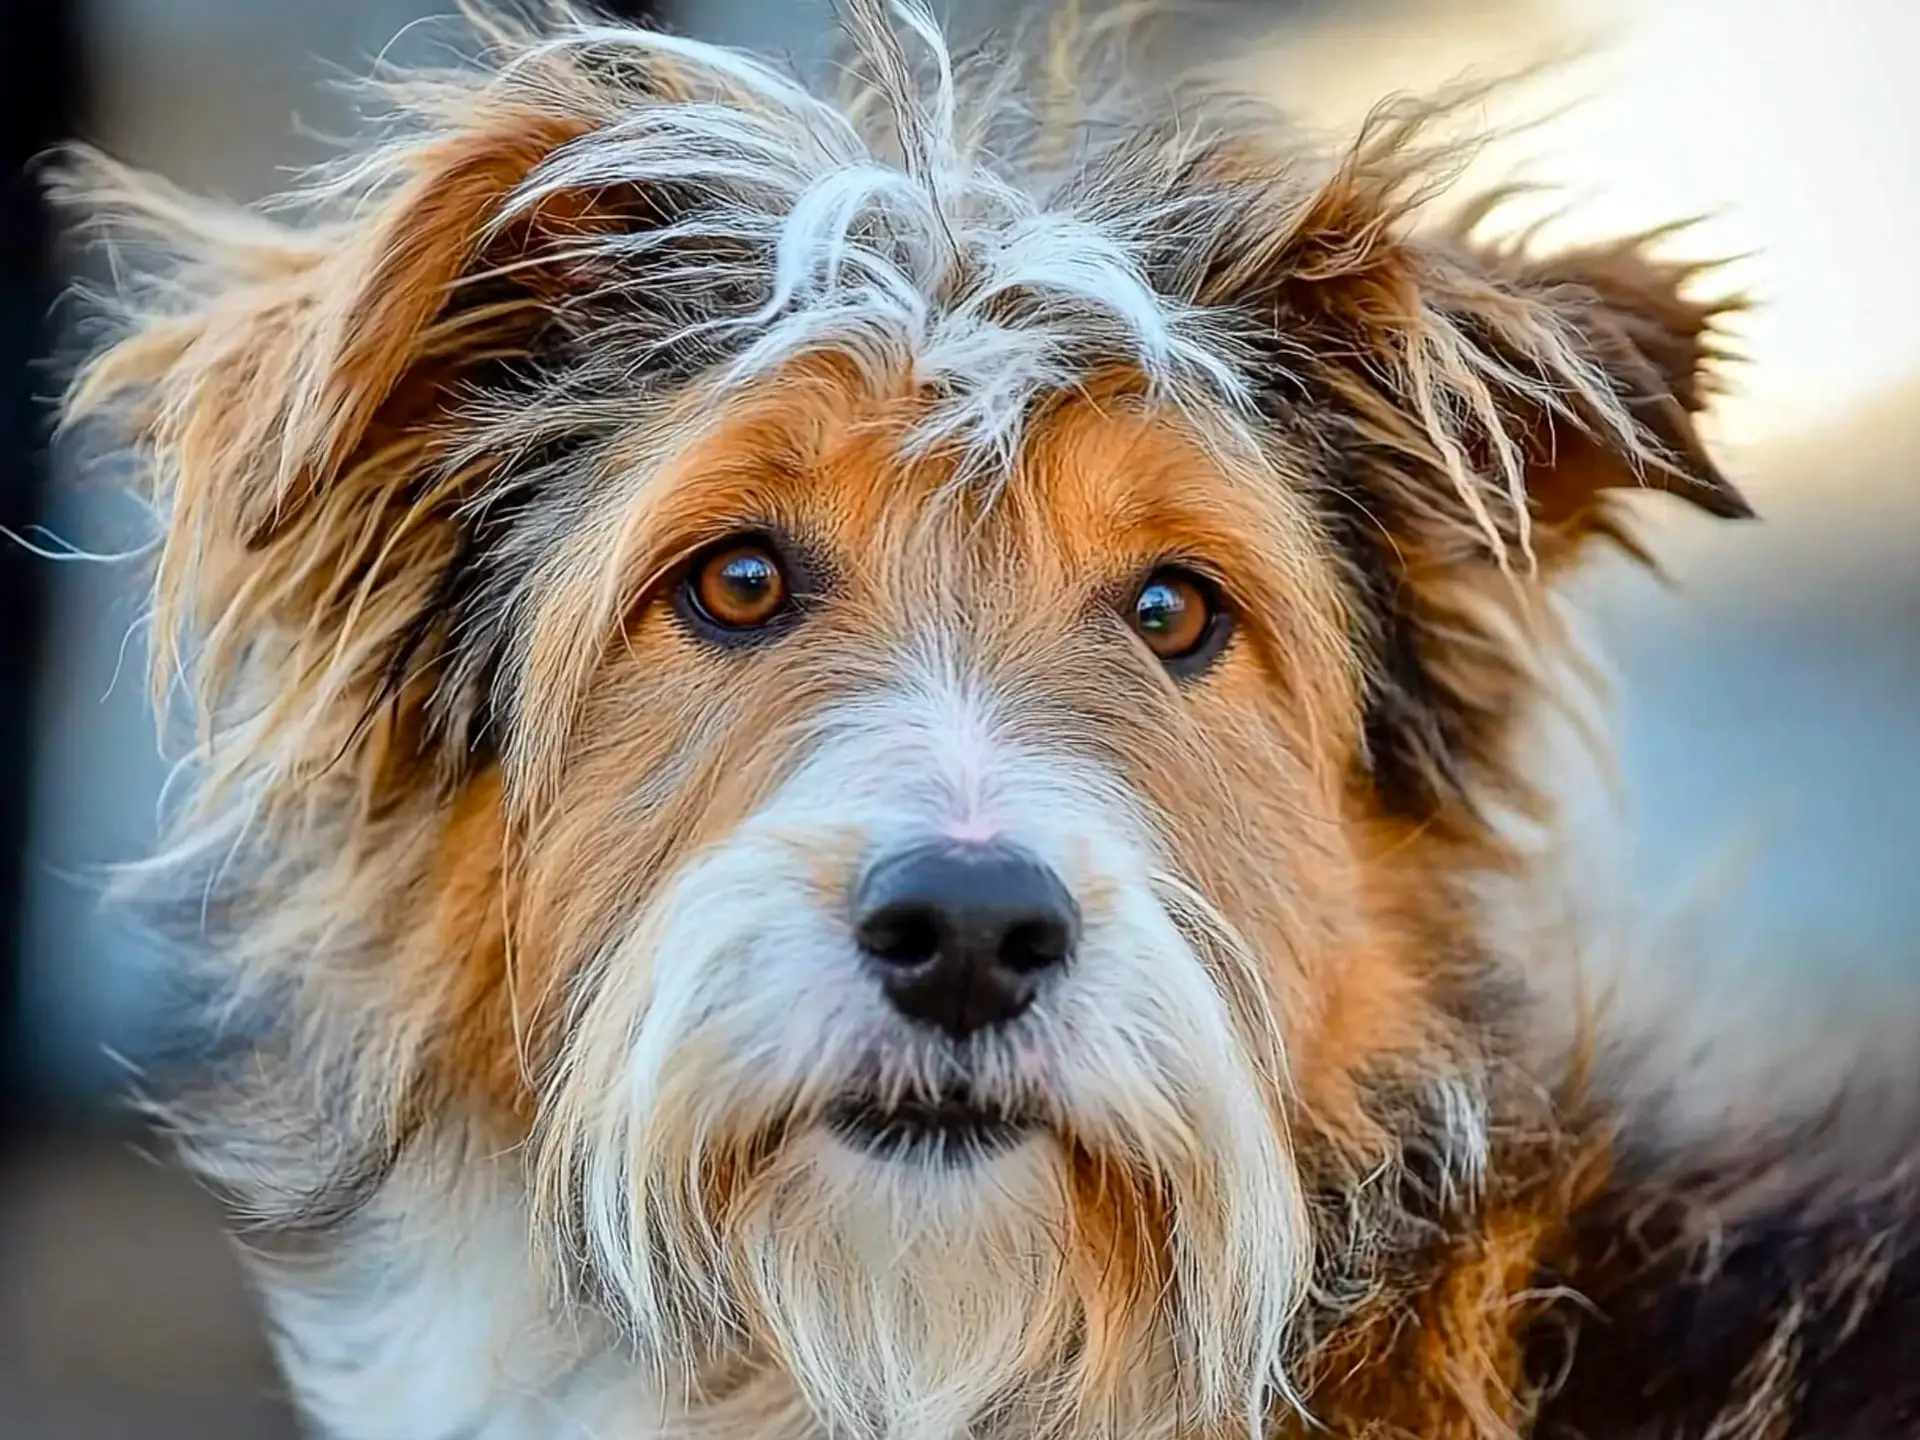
{"points": [[1786, 122]]}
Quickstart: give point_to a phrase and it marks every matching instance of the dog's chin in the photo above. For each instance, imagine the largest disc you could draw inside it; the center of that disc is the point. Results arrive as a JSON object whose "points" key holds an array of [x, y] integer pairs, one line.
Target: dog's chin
{"points": [[954, 1129]]}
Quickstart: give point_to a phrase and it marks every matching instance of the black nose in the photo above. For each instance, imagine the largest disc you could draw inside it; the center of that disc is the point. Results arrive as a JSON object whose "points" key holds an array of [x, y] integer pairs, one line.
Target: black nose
{"points": [[962, 933]]}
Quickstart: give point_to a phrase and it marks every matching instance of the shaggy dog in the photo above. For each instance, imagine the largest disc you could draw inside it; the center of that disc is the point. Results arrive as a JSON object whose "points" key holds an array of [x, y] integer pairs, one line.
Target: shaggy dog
{"points": [[852, 759]]}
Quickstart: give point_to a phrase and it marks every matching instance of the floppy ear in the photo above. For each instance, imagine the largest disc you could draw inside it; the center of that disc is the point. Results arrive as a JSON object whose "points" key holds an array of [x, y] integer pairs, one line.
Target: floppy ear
{"points": [[1541, 388], [1497, 407], [1642, 342], [290, 387]]}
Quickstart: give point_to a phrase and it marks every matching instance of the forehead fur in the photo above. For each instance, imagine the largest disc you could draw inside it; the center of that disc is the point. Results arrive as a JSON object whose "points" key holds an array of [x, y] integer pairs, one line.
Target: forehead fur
{"points": [[1105, 486], [921, 226], [697, 212]]}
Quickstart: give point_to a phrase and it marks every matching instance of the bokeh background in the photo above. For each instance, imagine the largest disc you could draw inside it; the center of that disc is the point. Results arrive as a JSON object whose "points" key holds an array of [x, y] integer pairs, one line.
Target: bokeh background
{"points": [[1767, 707]]}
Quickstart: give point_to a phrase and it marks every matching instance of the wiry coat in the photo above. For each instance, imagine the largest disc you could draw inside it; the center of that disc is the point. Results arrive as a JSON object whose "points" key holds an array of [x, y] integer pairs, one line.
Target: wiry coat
{"points": [[468, 802]]}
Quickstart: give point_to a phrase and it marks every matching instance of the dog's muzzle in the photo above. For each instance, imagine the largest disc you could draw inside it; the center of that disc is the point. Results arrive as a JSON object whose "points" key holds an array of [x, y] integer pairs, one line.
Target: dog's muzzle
{"points": [[961, 937]]}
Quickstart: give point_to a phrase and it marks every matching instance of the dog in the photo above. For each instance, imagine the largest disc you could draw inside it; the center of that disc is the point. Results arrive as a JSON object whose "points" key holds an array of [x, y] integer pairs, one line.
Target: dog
{"points": [[853, 758]]}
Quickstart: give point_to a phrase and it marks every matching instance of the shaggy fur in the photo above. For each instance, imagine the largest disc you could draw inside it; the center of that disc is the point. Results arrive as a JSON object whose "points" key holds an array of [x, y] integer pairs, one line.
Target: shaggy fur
{"points": [[515, 903]]}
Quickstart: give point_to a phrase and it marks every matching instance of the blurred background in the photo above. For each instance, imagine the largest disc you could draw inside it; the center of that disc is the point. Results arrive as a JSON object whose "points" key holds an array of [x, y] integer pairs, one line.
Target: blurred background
{"points": [[1766, 702]]}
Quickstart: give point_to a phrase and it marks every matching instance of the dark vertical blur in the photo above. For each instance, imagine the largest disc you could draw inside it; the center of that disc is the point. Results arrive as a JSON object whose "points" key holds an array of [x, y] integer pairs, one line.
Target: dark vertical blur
{"points": [[40, 105]]}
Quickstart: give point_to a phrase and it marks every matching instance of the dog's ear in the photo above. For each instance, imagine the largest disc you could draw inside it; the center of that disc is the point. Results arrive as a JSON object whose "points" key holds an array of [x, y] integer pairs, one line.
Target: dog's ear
{"points": [[288, 386], [1501, 407], [1615, 359], [1478, 413], [1538, 388]]}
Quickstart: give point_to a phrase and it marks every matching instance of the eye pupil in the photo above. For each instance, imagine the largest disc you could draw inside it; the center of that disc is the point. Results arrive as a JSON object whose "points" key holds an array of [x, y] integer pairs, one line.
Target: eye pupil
{"points": [[1160, 609], [747, 577], [740, 586]]}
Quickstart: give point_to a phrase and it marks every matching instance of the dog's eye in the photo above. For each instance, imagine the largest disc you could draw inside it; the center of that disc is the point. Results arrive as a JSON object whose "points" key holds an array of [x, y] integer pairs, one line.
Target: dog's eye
{"points": [[738, 585], [1180, 617]]}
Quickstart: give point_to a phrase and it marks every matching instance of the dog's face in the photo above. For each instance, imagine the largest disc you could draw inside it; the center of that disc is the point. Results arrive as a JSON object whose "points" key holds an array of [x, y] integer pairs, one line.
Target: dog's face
{"points": [[915, 729], [952, 871]]}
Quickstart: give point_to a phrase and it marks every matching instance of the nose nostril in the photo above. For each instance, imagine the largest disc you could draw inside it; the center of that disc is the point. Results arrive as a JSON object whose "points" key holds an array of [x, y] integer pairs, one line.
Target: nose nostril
{"points": [[1031, 945], [959, 935], [903, 935]]}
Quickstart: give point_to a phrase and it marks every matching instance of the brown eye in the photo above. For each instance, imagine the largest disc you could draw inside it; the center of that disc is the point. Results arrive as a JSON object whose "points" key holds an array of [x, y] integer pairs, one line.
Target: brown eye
{"points": [[738, 586], [1180, 617]]}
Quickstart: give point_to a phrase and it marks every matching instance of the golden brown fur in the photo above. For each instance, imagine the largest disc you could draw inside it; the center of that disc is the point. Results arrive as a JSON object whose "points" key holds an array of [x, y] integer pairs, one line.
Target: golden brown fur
{"points": [[431, 458]]}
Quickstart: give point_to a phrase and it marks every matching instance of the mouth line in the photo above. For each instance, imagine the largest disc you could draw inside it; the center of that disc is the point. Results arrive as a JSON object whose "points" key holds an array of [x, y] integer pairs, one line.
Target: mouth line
{"points": [[954, 1128]]}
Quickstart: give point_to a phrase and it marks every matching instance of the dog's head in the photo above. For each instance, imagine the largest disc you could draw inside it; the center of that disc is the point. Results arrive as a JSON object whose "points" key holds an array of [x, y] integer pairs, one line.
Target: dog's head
{"points": [[911, 707]]}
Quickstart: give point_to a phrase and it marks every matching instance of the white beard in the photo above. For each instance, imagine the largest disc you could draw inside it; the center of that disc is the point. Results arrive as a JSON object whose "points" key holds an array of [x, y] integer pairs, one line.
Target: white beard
{"points": [[428, 1318], [753, 1275]]}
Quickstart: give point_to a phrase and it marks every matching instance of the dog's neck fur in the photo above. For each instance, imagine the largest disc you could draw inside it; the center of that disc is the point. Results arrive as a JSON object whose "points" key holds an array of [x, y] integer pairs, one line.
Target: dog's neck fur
{"points": [[1635, 1317]]}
